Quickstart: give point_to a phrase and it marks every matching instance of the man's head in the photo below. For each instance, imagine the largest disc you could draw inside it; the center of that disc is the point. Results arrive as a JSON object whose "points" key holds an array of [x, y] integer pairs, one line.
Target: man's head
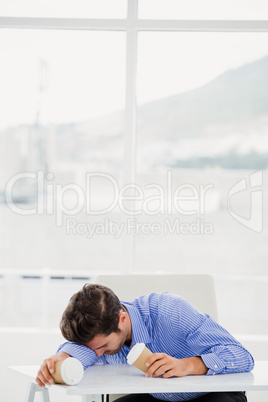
{"points": [[94, 310]]}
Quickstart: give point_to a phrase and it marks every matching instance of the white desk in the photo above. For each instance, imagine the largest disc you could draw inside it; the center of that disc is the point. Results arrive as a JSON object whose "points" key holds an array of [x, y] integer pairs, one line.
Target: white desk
{"points": [[121, 379]]}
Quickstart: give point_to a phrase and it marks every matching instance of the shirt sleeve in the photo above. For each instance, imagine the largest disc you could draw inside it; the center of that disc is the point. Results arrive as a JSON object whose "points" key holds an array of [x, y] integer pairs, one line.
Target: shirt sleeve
{"points": [[219, 350], [84, 354]]}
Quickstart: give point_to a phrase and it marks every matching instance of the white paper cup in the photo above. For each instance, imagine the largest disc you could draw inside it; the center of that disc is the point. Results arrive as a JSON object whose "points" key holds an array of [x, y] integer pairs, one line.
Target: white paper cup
{"points": [[69, 371], [138, 356]]}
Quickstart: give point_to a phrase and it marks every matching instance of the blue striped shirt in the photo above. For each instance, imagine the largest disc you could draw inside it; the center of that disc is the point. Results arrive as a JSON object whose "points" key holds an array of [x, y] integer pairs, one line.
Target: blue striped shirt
{"points": [[169, 324]]}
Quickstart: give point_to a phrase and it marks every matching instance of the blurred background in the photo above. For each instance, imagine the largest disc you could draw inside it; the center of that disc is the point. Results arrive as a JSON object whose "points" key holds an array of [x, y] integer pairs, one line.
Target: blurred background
{"points": [[199, 107]]}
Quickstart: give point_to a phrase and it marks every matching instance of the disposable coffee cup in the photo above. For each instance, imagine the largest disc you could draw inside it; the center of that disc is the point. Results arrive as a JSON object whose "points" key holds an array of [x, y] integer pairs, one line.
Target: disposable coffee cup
{"points": [[138, 356], [69, 371]]}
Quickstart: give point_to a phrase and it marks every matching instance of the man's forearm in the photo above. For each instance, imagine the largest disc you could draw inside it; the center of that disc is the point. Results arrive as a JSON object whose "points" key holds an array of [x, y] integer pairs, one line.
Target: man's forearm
{"points": [[196, 366], [85, 355]]}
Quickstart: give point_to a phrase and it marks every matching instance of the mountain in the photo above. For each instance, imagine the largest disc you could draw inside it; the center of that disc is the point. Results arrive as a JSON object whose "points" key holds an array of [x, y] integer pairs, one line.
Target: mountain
{"points": [[232, 102]]}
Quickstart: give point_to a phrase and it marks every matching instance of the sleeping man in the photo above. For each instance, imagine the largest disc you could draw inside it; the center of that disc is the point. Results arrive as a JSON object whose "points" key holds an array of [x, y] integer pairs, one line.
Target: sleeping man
{"points": [[101, 329]]}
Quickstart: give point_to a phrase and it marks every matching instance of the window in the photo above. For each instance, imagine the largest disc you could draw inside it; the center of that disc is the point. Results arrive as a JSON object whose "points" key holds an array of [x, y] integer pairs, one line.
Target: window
{"points": [[202, 100], [192, 160], [60, 94]]}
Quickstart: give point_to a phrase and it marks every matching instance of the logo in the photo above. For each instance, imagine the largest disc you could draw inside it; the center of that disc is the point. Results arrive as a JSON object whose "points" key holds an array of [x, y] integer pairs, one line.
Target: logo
{"points": [[255, 221]]}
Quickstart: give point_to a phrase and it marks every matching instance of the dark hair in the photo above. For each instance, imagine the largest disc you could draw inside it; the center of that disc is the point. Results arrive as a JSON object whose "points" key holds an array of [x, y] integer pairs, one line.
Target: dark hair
{"points": [[94, 310]]}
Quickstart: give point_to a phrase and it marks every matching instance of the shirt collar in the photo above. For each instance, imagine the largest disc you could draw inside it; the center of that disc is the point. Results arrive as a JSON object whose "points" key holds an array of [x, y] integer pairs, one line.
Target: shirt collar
{"points": [[138, 329]]}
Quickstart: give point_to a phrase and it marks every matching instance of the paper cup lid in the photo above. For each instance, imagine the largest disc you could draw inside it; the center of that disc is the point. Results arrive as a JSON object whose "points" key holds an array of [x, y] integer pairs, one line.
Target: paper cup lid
{"points": [[71, 371], [135, 352]]}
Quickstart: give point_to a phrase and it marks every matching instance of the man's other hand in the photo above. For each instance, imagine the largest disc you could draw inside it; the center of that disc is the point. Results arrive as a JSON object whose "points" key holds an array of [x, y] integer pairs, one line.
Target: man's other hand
{"points": [[44, 374], [161, 364]]}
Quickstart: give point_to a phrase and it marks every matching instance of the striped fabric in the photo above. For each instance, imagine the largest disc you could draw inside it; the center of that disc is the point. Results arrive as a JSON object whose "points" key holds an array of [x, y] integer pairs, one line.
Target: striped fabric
{"points": [[169, 324]]}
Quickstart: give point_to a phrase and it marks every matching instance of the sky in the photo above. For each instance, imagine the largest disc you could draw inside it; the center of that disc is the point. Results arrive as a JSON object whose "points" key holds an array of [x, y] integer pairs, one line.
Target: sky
{"points": [[83, 72], [205, 9]]}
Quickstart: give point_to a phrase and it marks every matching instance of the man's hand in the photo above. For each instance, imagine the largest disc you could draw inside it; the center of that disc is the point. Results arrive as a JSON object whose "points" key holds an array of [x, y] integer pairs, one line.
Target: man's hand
{"points": [[161, 364], [44, 374]]}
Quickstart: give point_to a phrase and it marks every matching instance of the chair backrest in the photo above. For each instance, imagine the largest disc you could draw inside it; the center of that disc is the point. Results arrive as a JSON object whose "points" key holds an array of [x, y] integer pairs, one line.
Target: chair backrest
{"points": [[199, 290]]}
